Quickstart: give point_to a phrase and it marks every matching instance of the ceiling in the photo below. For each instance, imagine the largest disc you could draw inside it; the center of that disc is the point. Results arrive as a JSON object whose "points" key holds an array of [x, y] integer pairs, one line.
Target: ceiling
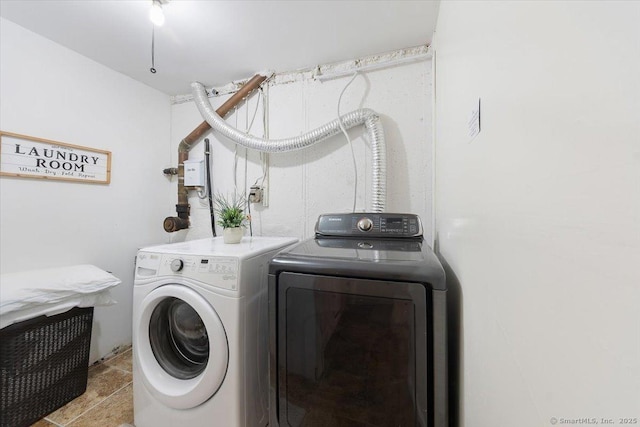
{"points": [[217, 42]]}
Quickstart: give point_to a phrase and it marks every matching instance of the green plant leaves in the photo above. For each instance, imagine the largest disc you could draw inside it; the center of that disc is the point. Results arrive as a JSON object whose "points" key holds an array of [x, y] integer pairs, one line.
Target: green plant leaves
{"points": [[230, 210]]}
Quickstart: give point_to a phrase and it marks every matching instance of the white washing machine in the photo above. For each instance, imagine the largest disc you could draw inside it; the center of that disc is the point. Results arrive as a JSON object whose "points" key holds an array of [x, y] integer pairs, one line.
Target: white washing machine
{"points": [[200, 345]]}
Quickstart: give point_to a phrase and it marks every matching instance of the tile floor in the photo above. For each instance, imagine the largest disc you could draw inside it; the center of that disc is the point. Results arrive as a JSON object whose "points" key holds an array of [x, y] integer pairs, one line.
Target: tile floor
{"points": [[108, 401]]}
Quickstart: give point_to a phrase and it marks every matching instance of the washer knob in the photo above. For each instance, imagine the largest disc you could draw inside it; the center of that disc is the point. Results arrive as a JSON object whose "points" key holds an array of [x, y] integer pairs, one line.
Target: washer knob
{"points": [[177, 265], [365, 224]]}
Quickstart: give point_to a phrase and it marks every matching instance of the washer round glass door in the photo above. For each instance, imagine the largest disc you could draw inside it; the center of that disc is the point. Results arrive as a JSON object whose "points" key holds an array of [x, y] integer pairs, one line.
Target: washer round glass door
{"points": [[181, 346], [179, 338]]}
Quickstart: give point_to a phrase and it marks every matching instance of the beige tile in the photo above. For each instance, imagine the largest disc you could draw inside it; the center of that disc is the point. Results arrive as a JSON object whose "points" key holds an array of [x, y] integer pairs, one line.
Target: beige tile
{"points": [[103, 381], [121, 361], [116, 410], [43, 423]]}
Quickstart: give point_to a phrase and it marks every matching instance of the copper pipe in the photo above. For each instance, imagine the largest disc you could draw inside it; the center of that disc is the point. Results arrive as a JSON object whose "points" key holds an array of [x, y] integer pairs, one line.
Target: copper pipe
{"points": [[180, 222]]}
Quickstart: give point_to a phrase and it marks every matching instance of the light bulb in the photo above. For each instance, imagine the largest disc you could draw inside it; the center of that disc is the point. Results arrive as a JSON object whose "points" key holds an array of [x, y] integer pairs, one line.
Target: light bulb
{"points": [[156, 14]]}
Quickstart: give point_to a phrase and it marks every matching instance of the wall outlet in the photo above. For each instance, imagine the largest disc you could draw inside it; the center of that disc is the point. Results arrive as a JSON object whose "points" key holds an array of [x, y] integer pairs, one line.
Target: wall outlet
{"points": [[256, 194]]}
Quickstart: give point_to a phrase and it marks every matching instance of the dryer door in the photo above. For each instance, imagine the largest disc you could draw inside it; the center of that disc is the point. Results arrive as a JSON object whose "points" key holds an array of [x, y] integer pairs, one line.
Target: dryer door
{"points": [[180, 346]]}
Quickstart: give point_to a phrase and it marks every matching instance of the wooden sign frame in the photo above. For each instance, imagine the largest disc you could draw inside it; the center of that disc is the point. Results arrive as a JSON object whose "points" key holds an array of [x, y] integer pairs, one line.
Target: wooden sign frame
{"points": [[29, 157]]}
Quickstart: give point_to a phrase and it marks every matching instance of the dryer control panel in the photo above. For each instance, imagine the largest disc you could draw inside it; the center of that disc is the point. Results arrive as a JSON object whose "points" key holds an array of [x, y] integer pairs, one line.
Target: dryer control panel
{"points": [[379, 225], [221, 272]]}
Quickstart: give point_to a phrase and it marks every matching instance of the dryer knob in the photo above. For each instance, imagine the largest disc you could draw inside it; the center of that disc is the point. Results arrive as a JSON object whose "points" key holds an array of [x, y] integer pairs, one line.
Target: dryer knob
{"points": [[365, 224], [177, 265]]}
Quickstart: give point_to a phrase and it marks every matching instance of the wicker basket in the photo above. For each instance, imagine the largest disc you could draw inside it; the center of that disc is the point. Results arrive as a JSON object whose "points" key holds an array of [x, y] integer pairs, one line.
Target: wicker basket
{"points": [[44, 364]]}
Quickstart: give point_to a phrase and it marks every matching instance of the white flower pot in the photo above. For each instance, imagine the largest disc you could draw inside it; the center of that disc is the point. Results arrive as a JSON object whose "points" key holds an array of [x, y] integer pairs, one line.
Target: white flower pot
{"points": [[232, 235]]}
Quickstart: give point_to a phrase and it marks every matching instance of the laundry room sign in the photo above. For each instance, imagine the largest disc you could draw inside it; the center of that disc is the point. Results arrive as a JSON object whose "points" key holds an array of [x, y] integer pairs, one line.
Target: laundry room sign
{"points": [[28, 157]]}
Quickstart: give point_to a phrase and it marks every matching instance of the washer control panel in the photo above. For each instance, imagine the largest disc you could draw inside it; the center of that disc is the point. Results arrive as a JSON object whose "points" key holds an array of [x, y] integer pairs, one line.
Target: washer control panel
{"points": [[385, 225], [221, 272]]}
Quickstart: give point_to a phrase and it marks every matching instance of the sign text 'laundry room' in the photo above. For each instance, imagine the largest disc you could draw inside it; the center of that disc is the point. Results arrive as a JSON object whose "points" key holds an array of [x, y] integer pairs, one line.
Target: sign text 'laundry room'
{"points": [[29, 157]]}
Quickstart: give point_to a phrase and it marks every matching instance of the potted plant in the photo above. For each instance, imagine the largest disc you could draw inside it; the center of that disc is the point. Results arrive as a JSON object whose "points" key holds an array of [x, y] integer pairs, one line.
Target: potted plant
{"points": [[231, 216]]}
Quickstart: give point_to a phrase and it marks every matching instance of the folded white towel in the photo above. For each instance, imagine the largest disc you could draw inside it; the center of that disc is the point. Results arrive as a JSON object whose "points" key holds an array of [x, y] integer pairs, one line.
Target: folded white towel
{"points": [[51, 291]]}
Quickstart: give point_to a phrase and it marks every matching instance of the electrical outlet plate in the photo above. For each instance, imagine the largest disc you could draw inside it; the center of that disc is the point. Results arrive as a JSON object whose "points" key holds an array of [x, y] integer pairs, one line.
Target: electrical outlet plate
{"points": [[256, 194]]}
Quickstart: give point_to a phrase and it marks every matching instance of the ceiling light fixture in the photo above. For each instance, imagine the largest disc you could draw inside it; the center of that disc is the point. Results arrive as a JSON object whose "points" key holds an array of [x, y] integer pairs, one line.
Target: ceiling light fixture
{"points": [[156, 15]]}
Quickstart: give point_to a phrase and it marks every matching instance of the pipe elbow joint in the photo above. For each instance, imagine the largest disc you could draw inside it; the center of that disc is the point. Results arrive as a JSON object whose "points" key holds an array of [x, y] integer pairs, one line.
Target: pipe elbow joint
{"points": [[172, 224]]}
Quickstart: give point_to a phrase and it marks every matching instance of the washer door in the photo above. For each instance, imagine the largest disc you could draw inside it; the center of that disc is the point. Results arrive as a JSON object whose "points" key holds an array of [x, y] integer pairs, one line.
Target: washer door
{"points": [[181, 346]]}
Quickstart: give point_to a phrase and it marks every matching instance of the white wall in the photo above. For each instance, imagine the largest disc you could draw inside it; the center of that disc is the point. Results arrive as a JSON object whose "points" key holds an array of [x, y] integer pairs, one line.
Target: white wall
{"points": [[320, 179], [539, 216], [51, 92]]}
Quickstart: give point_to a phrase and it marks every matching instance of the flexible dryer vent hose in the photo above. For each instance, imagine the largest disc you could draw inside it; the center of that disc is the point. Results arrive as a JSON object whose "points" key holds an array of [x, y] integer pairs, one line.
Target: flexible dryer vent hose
{"points": [[363, 116]]}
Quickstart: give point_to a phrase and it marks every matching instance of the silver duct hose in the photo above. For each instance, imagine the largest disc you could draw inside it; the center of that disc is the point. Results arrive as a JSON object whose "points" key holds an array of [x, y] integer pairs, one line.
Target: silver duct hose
{"points": [[363, 116]]}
